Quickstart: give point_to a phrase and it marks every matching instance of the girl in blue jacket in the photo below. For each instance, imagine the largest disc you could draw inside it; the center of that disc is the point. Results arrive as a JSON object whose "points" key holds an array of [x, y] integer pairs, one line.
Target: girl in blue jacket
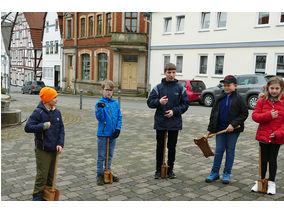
{"points": [[46, 123], [109, 116]]}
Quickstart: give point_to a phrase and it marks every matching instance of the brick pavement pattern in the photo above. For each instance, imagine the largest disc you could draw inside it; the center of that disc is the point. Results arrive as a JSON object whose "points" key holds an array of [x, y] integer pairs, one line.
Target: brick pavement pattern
{"points": [[133, 162]]}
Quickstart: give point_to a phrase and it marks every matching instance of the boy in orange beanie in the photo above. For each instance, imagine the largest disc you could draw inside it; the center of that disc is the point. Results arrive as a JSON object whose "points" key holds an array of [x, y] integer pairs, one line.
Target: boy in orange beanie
{"points": [[46, 123]]}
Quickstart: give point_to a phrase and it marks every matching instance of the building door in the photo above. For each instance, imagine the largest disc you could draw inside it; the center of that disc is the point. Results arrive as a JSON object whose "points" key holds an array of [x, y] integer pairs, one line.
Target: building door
{"points": [[56, 76], [129, 72]]}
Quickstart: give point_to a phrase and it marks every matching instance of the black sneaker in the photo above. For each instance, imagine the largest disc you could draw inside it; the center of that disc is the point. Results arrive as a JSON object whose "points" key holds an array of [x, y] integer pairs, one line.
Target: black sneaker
{"points": [[157, 175], [171, 174], [100, 180], [115, 178]]}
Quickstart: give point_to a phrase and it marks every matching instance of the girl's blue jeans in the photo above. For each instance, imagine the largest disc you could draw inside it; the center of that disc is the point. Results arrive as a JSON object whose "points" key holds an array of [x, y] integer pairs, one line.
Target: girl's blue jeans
{"points": [[225, 142], [102, 149]]}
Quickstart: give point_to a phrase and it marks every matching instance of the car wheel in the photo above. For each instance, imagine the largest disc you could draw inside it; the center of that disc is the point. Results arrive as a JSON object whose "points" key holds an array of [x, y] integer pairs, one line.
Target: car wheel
{"points": [[252, 101], [208, 100]]}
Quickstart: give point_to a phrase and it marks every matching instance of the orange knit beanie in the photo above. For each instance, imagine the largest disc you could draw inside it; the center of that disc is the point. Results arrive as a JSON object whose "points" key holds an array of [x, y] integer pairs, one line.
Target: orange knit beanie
{"points": [[47, 94]]}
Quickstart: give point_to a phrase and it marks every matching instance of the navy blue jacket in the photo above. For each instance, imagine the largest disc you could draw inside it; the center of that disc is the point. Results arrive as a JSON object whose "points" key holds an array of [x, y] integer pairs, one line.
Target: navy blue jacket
{"points": [[238, 113], [46, 140], [178, 101], [109, 117]]}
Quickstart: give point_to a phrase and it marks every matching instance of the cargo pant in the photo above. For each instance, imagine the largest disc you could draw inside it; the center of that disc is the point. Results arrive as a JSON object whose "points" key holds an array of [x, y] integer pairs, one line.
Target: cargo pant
{"points": [[45, 163]]}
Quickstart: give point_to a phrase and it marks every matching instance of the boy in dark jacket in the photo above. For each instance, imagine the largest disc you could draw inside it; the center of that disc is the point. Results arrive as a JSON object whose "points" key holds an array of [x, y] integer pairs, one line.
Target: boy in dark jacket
{"points": [[46, 123], [170, 100], [228, 112]]}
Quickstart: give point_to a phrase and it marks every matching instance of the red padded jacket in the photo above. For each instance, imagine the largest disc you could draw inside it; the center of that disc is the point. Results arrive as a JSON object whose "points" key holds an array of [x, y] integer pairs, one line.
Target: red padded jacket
{"points": [[262, 115]]}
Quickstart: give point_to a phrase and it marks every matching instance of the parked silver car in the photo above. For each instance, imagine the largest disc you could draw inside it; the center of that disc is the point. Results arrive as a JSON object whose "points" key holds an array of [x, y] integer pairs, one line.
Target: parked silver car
{"points": [[32, 87], [249, 86]]}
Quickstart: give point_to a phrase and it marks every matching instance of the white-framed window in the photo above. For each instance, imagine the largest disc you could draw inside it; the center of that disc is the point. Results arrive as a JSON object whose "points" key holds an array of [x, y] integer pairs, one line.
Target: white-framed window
{"points": [[167, 25], [281, 18], [179, 63], [219, 64], [166, 60], [263, 19], [221, 20], [205, 21], [51, 47], [85, 66], [260, 63], [69, 29], [180, 24], [280, 65], [202, 67], [56, 47], [56, 24], [47, 72], [47, 26]]}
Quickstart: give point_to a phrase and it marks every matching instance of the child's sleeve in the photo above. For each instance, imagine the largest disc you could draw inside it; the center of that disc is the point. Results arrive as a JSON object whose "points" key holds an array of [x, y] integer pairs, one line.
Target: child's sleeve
{"points": [[279, 133], [153, 100], [34, 123], [99, 112], [259, 116], [183, 105], [119, 120], [61, 133], [243, 114]]}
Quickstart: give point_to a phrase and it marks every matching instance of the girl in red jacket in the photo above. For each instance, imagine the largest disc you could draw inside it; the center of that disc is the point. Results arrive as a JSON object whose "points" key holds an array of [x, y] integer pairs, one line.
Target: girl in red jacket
{"points": [[269, 113]]}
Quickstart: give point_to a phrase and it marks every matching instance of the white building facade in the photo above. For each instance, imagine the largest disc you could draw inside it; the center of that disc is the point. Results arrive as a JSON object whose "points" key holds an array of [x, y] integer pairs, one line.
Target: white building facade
{"points": [[210, 45], [52, 51]]}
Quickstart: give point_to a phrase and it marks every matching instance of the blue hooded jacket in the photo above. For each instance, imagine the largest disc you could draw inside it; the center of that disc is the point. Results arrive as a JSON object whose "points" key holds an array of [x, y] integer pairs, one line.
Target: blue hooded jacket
{"points": [[46, 140], [109, 117]]}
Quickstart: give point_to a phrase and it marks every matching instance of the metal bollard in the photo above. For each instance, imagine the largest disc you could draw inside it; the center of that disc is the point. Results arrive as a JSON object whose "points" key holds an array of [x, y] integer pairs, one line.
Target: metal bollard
{"points": [[118, 92], [81, 98]]}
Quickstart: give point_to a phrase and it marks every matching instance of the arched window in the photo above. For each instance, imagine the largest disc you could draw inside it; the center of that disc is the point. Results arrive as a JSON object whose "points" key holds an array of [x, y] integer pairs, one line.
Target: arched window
{"points": [[83, 26], [91, 25], [102, 66], [85, 67]]}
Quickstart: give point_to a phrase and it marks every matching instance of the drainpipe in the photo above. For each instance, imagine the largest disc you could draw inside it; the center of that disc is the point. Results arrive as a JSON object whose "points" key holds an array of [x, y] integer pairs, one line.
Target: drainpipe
{"points": [[149, 15], [76, 52]]}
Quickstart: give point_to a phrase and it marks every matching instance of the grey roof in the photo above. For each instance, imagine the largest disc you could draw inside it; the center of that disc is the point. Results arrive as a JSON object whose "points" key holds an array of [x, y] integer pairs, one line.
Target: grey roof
{"points": [[6, 29]]}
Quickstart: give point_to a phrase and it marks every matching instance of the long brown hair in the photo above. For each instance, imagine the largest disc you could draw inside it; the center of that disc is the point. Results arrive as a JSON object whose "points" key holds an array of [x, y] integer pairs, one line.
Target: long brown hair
{"points": [[274, 80]]}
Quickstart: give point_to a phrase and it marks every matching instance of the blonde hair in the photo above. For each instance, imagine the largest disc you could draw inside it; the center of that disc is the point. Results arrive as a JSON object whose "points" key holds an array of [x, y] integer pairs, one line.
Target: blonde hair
{"points": [[274, 80], [107, 83]]}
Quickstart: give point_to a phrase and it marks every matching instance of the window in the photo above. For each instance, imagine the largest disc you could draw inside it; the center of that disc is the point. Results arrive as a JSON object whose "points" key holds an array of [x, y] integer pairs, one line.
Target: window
{"points": [[168, 25], [69, 29], [180, 24], [51, 47], [102, 66], [280, 66], [56, 47], [131, 22], [166, 60], [56, 24], [281, 20], [219, 64], [70, 63], [108, 23], [85, 67], [205, 20], [260, 63], [99, 24], [91, 26], [247, 80], [263, 18], [203, 64], [83, 27], [221, 20], [179, 62], [47, 72], [47, 26], [47, 47]]}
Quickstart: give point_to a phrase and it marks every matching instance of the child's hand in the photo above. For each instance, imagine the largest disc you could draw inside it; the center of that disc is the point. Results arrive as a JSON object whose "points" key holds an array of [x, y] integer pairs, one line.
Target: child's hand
{"points": [[208, 135], [164, 100], [101, 105], [272, 135], [274, 114], [116, 133], [230, 128], [59, 149], [46, 125], [169, 113]]}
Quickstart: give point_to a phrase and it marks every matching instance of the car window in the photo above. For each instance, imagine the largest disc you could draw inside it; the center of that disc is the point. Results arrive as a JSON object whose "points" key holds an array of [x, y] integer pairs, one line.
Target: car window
{"points": [[39, 82], [197, 86], [243, 80], [183, 83], [29, 83]]}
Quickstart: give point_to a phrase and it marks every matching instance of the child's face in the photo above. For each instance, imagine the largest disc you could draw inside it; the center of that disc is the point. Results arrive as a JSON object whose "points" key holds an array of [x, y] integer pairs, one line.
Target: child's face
{"points": [[274, 90], [170, 75], [107, 91], [53, 102], [229, 87]]}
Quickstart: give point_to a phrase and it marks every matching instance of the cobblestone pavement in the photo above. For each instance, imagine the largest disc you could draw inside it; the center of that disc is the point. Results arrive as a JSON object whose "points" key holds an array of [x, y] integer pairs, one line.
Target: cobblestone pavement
{"points": [[134, 159]]}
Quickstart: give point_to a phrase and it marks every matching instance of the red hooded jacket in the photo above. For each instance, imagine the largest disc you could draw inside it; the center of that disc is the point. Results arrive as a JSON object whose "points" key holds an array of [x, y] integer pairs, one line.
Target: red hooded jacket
{"points": [[262, 115]]}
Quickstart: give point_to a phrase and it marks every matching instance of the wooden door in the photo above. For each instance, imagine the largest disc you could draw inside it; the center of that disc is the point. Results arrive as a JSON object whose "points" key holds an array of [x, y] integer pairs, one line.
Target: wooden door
{"points": [[129, 74]]}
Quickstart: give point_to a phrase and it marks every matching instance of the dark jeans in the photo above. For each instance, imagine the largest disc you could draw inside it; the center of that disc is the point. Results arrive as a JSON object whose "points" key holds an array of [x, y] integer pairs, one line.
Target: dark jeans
{"points": [[269, 153], [171, 145]]}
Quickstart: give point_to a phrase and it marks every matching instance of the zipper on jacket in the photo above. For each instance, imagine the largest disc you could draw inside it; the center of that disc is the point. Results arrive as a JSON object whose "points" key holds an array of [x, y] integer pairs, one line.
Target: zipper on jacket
{"points": [[111, 118], [104, 126]]}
